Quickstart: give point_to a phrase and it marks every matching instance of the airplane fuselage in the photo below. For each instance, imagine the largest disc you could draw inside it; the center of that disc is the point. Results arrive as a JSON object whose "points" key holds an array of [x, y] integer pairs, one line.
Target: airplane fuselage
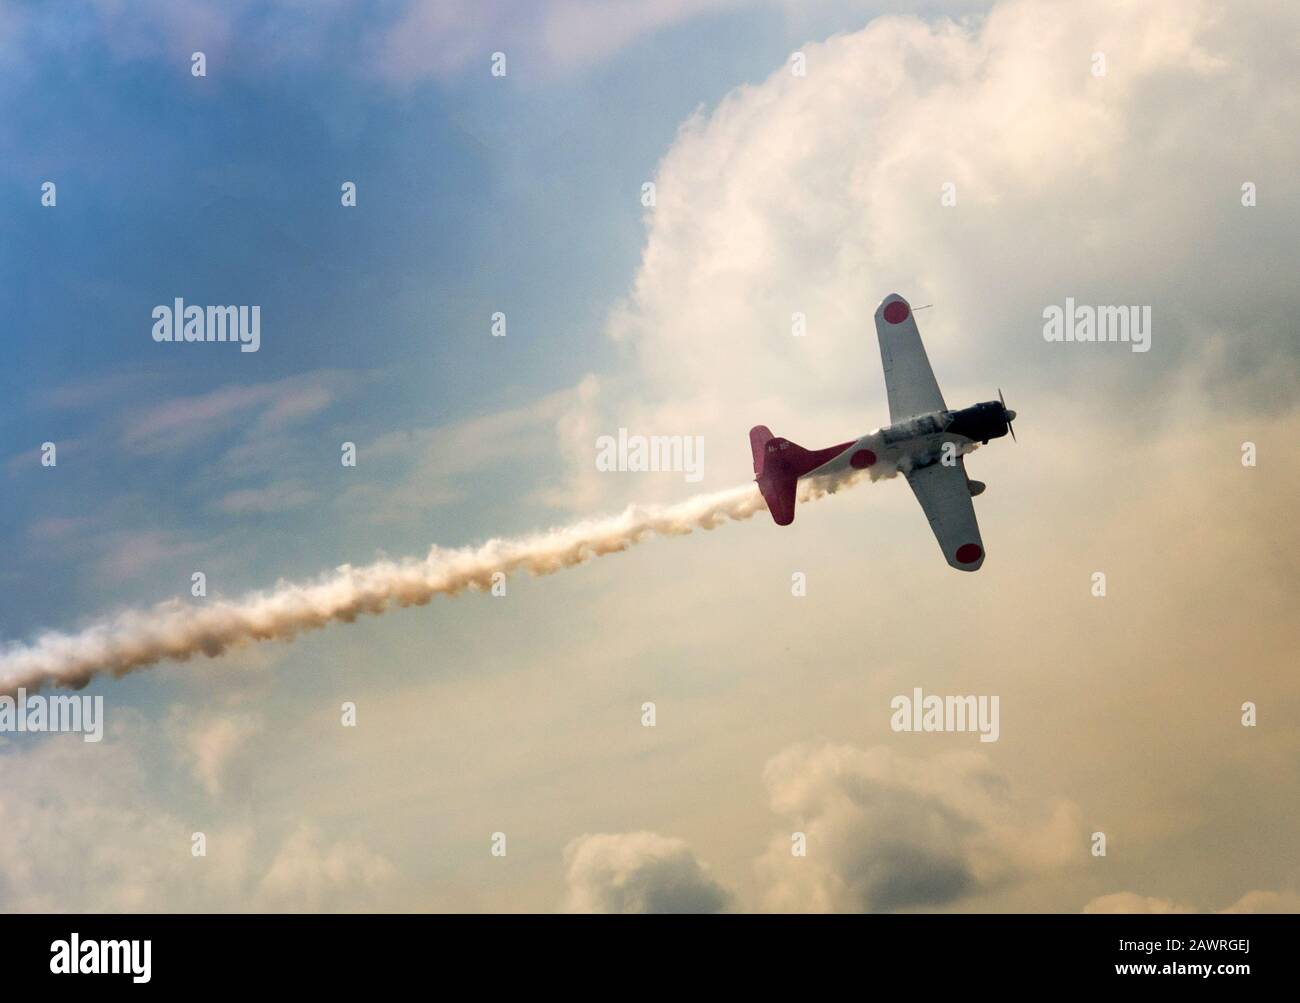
{"points": [[917, 442]]}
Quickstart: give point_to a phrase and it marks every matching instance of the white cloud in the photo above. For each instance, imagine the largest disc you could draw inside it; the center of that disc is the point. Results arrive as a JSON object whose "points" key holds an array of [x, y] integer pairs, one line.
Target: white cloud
{"points": [[278, 497], [405, 42], [150, 27], [821, 194], [439, 38], [88, 828], [311, 875], [1266, 902], [127, 554], [886, 833], [1131, 902], [436, 464], [212, 742], [1251, 902], [638, 872], [260, 409], [81, 831]]}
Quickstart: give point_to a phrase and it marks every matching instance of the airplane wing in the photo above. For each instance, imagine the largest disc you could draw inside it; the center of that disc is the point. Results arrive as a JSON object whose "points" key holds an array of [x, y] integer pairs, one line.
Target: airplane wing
{"points": [[944, 494], [909, 380]]}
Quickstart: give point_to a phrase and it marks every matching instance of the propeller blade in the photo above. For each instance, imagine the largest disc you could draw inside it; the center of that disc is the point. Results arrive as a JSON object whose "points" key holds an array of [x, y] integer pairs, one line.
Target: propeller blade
{"points": [[1009, 414]]}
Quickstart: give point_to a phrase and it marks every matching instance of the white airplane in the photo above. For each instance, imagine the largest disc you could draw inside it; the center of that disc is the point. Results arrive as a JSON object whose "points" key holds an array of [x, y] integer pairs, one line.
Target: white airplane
{"points": [[914, 442]]}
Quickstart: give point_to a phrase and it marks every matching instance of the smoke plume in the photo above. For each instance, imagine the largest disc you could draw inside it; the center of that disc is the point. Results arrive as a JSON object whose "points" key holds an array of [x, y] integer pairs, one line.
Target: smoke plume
{"points": [[175, 630]]}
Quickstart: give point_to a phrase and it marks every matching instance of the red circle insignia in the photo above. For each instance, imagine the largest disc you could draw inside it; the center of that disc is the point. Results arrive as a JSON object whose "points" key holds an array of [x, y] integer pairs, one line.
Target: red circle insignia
{"points": [[897, 312]]}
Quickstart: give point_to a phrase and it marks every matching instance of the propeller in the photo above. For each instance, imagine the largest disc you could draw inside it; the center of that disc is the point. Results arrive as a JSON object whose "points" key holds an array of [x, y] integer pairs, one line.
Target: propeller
{"points": [[1010, 415]]}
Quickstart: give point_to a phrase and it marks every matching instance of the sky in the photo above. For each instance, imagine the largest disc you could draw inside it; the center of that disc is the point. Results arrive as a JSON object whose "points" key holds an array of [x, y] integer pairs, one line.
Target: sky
{"points": [[979, 157]]}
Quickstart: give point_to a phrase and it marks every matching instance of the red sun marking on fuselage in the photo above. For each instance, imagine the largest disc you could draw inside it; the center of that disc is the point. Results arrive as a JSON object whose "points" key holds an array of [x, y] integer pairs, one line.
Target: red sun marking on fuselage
{"points": [[862, 459], [897, 312]]}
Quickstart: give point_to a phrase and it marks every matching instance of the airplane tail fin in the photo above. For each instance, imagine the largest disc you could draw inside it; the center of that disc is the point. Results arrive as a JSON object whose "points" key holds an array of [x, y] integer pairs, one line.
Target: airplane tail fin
{"points": [[759, 437], [778, 465]]}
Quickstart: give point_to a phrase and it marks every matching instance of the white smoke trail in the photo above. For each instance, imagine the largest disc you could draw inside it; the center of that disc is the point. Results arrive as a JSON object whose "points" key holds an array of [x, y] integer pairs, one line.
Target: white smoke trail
{"points": [[174, 630]]}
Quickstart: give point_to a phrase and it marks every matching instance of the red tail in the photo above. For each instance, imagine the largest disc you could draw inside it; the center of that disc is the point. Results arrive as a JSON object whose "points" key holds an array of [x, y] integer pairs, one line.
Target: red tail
{"points": [[778, 465]]}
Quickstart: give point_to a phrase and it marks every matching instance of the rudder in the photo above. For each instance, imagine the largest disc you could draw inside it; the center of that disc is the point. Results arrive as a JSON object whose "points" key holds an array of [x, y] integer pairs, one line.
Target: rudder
{"points": [[778, 465]]}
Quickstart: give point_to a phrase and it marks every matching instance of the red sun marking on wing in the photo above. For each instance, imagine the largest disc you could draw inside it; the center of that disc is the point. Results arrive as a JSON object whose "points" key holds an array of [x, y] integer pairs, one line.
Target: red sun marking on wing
{"points": [[897, 312]]}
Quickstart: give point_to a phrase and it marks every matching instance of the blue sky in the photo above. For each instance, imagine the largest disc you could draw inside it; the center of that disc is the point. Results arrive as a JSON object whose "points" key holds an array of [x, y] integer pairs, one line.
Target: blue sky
{"points": [[476, 195]]}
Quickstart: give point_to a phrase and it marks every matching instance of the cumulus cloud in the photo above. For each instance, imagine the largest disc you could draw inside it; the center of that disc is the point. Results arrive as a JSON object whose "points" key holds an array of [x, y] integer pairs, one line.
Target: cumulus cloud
{"points": [[885, 832], [1266, 902], [818, 195], [1131, 902], [81, 831], [1251, 902], [638, 872], [92, 828], [310, 874]]}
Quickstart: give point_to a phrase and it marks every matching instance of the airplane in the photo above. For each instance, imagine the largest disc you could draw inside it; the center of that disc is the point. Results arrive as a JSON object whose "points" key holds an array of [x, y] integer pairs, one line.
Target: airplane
{"points": [[914, 442]]}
